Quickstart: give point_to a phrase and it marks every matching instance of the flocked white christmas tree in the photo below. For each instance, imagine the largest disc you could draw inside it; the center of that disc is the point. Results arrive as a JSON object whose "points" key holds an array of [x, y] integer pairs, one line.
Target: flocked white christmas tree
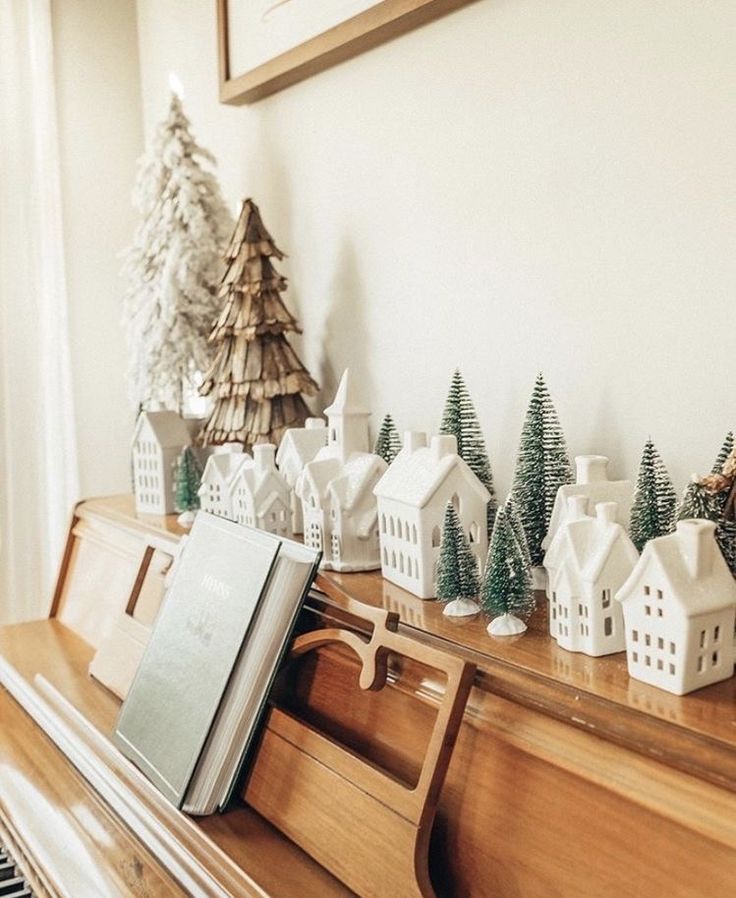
{"points": [[173, 265]]}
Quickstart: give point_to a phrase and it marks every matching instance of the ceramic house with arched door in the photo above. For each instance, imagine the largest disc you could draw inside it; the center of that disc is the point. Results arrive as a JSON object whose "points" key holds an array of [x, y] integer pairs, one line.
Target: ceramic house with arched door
{"points": [[679, 605], [412, 496], [336, 489], [260, 497]]}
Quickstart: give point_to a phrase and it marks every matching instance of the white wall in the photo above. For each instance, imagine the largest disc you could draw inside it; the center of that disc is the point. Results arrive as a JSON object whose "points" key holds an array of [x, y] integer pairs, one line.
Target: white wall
{"points": [[521, 185], [101, 136]]}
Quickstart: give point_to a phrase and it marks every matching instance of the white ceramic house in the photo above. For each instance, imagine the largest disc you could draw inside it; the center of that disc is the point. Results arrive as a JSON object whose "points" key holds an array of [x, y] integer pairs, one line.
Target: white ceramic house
{"points": [[589, 559], [158, 439], [299, 446], [214, 490], [412, 497], [591, 481], [336, 489], [679, 605], [259, 496]]}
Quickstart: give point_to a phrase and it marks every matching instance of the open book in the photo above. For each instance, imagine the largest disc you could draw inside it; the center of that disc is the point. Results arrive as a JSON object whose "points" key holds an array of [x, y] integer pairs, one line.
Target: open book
{"points": [[192, 710]]}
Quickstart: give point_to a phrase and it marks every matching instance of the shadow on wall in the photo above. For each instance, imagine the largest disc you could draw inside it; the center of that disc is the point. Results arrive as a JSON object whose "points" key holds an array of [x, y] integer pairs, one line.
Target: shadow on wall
{"points": [[345, 330]]}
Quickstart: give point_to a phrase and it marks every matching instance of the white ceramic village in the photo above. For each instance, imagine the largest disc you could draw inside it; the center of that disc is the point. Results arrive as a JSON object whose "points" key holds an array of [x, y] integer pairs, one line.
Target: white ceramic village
{"points": [[672, 608]]}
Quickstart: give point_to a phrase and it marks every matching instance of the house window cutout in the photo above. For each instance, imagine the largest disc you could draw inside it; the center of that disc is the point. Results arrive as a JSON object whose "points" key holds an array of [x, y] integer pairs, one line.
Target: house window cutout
{"points": [[702, 639], [716, 634], [647, 639], [648, 660], [635, 635], [383, 523], [473, 533], [660, 664], [392, 526], [456, 502], [659, 593], [672, 648], [660, 612], [672, 670], [606, 598], [648, 610], [660, 643], [608, 626], [414, 533], [647, 590], [635, 656], [701, 663], [436, 537], [715, 658]]}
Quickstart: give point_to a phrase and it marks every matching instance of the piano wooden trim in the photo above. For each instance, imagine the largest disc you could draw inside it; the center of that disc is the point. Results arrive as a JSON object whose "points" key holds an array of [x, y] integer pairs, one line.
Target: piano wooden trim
{"points": [[566, 778]]}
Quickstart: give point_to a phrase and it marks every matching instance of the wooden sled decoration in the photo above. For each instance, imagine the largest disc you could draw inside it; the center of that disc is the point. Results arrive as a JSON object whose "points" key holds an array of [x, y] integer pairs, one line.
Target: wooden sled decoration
{"points": [[367, 828]]}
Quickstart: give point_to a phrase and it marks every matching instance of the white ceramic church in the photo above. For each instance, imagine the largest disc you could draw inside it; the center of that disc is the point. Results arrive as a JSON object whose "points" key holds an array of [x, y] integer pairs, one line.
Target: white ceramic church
{"points": [[412, 497], [259, 496], [591, 481], [679, 605], [589, 559], [158, 439], [336, 489], [299, 446]]}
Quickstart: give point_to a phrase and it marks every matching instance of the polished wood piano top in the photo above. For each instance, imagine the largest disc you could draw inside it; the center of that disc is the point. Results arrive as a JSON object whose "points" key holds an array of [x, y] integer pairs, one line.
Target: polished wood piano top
{"points": [[561, 758]]}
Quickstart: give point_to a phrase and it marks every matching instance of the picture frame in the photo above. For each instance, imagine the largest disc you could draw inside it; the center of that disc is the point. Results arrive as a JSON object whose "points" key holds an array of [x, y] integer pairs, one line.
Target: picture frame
{"points": [[245, 80]]}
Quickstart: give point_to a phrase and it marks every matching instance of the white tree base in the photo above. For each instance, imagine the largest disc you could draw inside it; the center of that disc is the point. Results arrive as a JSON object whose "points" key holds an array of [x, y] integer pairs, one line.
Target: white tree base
{"points": [[461, 608], [506, 625], [539, 578], [185, 519]]}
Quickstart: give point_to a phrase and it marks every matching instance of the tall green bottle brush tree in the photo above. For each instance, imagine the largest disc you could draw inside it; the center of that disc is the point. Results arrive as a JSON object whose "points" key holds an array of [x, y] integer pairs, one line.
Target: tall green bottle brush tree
{"points": [[507, 592], [654, 510], [459, 419], [542, 467], [458, 580]]}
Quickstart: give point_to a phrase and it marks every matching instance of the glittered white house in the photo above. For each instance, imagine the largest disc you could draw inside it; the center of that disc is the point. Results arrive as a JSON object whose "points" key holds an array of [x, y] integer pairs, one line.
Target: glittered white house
{"points": [[336, 489], [591, 481], [299, 446], [589, 559], [259, 496], [214, 489], [679, 605], [158, 439], [412, 497]]}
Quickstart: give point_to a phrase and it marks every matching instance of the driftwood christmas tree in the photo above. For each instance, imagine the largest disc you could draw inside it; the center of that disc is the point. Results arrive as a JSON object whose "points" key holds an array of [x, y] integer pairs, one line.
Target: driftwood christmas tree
{"points": [[723, 488], [256, 378], [173, 266]]}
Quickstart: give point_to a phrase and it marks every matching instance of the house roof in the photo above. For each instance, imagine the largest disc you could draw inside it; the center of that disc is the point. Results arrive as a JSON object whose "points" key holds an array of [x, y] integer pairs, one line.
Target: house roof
{"points": [[586, 544], [357, 473], [414, 477], [619, 491], [169, 429], [303, 442], [713, 590], [221, 466], [262, 484]]}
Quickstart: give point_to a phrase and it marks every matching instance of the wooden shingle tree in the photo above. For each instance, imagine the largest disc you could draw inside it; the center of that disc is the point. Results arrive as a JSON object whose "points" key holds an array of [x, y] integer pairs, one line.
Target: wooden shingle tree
{"points": [[256, 378]]}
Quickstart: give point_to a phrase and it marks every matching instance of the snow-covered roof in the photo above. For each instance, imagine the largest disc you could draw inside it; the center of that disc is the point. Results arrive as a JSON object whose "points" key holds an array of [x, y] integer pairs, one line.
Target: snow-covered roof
{"points": [[599, 490], [697, 577], [586, 543], [302, 444], [415, 475], [357, 474], [168, 428], [221, 466]]}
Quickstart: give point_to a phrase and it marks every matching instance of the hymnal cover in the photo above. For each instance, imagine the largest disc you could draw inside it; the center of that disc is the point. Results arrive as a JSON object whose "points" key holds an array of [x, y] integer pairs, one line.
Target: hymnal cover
{"points": [[205, 616]]}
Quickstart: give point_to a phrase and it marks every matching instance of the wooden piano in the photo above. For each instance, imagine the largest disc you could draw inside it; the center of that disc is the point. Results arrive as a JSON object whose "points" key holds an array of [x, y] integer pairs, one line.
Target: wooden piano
{"points": [[567, 778]]}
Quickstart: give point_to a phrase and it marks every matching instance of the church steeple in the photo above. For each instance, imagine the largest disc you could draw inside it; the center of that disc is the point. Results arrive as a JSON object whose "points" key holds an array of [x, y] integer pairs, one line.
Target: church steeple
{"points": [[347, 421]]}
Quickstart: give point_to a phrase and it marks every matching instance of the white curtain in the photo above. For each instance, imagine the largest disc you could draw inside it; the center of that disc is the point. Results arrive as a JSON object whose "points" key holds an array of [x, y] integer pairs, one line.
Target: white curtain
{"points": [[38, 462]]}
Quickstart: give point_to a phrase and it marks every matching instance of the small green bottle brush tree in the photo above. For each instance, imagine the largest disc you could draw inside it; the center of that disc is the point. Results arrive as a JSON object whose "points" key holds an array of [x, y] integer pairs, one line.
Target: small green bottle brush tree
{"points": [[187, 481], [507, 592], [458, 581], [388, 442], [654, 510]]}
